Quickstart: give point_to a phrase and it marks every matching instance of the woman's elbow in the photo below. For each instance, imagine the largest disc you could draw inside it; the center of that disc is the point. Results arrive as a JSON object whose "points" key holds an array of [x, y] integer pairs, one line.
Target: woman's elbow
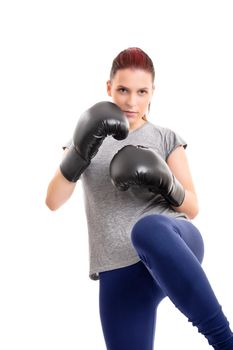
{"points": [[193, 212], [50, 204]]}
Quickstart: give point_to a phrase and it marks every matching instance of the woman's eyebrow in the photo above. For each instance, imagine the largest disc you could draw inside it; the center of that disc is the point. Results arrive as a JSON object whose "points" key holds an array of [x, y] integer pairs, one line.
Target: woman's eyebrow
{"points": [[122, 86]]}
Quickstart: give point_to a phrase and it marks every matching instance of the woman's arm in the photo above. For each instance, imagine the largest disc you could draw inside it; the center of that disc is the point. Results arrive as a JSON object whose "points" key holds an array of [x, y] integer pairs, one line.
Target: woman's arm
{"points": [[59, 190], [178, 163]]}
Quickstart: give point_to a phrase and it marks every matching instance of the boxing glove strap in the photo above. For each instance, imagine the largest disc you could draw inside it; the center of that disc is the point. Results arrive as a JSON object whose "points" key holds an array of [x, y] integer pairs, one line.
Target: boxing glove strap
{"points": [[73, 165], [177, 193]]}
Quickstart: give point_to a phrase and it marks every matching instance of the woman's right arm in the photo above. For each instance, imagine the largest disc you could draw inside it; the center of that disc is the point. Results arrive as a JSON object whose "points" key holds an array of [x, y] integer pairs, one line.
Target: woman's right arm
{"points": [[102, 119], [59, 190]]}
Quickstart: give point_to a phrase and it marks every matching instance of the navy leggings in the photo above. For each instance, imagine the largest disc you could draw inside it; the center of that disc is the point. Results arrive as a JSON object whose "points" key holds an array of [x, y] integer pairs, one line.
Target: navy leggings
{"points": [[171, 251]]}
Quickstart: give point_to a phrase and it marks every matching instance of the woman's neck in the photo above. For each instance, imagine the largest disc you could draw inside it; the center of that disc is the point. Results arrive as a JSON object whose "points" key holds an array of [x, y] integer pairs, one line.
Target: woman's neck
{"points": [[133, 127]]}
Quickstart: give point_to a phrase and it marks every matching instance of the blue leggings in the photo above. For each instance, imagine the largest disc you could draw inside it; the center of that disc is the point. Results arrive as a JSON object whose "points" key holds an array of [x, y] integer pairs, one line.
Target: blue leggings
{"points": [[171, 252]]}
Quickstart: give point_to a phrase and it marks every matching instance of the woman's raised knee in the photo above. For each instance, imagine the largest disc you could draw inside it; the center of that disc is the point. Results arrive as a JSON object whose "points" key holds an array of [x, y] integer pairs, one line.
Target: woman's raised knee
{"points": [[149, 227]]}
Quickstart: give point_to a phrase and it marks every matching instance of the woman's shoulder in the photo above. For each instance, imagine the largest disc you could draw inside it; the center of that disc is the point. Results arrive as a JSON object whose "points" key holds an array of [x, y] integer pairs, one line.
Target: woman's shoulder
{"points": [[167, 135], [163, 130]]}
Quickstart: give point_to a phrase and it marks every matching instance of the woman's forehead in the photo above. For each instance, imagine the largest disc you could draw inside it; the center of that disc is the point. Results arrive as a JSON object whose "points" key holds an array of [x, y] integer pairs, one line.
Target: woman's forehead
{"points": [[133, 76]]}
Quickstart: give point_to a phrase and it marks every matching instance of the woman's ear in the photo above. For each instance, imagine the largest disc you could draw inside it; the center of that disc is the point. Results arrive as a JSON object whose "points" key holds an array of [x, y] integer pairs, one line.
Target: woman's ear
{"points": [[109, 87]]}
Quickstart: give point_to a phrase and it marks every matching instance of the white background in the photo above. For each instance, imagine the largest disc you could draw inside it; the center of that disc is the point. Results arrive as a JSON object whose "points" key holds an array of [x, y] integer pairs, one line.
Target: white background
{"points": [[55, 60]]}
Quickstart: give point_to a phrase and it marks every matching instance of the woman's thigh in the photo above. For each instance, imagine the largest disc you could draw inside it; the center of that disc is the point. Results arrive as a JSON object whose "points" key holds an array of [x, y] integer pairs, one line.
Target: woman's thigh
{"points": [[128, 300], [163, 232], [191, 236]]}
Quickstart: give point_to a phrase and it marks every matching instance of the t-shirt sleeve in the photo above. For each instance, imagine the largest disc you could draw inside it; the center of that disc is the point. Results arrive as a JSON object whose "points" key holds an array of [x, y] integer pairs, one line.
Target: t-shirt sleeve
{"points": [[172, 141]]}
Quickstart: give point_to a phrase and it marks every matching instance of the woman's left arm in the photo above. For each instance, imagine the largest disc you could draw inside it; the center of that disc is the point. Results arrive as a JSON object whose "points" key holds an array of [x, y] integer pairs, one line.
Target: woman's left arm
{"points": [[178, 163]]}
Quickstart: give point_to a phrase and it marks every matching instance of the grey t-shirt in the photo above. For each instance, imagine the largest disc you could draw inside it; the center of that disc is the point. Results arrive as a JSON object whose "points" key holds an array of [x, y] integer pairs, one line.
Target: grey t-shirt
{"points": [[111, 213]]}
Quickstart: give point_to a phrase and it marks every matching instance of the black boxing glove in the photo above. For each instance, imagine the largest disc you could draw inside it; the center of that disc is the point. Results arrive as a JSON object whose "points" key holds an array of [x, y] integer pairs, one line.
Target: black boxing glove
{"points": [[103, 119], [139, 165]]}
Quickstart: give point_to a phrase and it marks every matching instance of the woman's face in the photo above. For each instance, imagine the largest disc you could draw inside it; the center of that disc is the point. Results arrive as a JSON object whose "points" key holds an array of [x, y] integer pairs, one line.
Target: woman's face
{"points": [[132, 90]]}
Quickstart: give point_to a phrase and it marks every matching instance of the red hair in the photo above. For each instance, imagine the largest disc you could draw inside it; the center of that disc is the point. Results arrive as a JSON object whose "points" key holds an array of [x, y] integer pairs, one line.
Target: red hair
{"points": [[133, 57]]}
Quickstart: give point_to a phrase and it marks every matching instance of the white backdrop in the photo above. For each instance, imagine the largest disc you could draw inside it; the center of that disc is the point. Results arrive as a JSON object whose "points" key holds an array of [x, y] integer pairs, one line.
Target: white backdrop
{"points": [[55, 60]]}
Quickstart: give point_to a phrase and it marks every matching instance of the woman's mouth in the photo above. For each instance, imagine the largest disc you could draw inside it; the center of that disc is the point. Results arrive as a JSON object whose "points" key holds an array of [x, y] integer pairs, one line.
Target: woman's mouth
{"points": [[130, 113]]}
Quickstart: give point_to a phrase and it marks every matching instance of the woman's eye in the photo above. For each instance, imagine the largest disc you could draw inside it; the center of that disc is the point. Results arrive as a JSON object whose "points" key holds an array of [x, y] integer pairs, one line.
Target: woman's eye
{"points": [[142, 92], [122, 90]]}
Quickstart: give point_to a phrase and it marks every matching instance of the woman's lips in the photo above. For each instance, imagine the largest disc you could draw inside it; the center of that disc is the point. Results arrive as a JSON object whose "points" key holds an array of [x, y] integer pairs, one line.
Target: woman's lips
{"points": [[130, 114]]}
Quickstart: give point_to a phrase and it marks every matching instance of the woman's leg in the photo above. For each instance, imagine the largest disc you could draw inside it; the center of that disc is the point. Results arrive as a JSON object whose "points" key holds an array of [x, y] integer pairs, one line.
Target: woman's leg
{"points": [[128, 300], [172, 249]]}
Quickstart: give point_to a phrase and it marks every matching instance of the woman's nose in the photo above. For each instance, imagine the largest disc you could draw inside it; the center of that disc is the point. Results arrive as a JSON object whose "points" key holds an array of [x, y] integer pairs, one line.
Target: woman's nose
{"points": [[132, 100]]}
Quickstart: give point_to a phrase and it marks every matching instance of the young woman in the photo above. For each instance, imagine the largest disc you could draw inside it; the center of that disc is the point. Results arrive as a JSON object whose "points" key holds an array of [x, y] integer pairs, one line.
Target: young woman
{"points": [[140, 200]]}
